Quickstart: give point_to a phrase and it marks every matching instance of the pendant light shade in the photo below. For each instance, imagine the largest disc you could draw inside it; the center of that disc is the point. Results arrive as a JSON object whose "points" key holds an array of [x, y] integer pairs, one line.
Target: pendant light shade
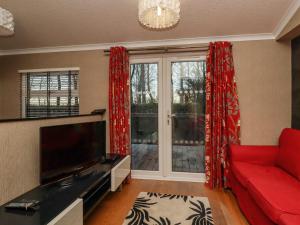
{"points": [[6, 23], [159, 14]]}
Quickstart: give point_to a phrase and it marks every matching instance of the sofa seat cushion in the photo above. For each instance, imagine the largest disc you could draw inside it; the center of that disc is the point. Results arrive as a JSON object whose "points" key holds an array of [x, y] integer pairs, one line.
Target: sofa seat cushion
{"points": [[288, 219], [276, 194], [244, 171]]}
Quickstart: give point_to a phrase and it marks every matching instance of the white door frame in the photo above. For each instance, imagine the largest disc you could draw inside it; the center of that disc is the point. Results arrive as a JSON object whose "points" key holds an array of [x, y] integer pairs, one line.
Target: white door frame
{"points": [[182, 176], [144, 174], [164, 129]]}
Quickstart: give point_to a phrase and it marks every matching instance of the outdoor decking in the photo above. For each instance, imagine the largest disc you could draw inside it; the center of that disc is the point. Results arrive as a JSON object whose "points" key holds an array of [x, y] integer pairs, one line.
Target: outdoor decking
{"points": [[185, 158]]}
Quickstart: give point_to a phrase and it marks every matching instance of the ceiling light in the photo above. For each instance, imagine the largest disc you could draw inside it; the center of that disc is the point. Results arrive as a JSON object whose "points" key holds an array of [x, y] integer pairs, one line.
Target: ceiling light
{"points": [[6, 22], [159, 14]]}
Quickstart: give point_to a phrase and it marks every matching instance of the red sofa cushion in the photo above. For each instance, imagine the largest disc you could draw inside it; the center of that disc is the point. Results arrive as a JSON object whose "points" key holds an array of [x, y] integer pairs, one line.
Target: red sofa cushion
{"points": [[244, 171], [248, 206], [289, 152], [288, 219], [273, 190], [276, 194]]}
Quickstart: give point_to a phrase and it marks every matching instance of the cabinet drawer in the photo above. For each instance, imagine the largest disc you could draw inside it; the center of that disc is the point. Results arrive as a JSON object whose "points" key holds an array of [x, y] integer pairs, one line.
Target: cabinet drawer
{"points": [[120, 172]]}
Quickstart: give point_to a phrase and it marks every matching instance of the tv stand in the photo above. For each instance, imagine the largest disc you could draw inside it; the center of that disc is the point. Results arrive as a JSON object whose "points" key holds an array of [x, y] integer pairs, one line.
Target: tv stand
{"points": [[70, 201], [95, 194], [111, 158], [84, 173], [66, 182]]}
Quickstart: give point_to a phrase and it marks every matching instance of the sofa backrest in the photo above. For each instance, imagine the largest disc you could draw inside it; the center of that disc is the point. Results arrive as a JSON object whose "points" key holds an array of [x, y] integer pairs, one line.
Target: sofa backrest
{"points": [[289, 152]]}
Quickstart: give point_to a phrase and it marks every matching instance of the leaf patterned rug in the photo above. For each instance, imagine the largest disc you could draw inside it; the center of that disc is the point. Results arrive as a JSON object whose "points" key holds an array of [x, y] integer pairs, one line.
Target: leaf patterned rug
{"points": [[166, 209]]}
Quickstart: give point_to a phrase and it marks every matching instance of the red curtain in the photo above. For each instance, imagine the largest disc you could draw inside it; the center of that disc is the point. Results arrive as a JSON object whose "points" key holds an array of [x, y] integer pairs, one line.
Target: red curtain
{"points": [[222, 119], [119, 102]]}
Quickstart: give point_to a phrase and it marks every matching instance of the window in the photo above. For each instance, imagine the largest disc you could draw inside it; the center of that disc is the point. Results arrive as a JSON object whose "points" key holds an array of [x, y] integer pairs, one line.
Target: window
{"points": [[50, 94]]}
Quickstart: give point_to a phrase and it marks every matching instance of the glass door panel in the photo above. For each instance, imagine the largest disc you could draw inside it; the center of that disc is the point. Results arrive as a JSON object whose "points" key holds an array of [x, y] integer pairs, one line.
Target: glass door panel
{"points": [[187, 116], [144, 116]]}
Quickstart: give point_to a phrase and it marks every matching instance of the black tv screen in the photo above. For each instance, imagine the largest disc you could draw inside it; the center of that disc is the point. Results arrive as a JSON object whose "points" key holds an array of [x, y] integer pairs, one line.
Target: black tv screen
{"points": [[68, 148]]}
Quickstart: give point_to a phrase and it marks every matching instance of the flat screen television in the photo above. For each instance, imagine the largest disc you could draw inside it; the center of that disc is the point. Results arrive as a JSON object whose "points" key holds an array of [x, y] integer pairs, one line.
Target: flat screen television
{"points": [[66, 149]]}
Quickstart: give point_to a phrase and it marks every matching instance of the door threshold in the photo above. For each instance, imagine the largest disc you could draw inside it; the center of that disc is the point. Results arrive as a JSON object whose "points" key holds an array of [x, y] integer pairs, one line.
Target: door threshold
{"points": [[173, 178]]}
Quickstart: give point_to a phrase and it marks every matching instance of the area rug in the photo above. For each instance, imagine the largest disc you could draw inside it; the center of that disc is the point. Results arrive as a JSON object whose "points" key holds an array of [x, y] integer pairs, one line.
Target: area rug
{"points": [[166, 209]]}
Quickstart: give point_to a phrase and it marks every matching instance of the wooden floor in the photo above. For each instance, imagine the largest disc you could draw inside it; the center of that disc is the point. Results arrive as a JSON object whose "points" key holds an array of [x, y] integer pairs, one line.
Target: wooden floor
{"points": [[115, 206]]}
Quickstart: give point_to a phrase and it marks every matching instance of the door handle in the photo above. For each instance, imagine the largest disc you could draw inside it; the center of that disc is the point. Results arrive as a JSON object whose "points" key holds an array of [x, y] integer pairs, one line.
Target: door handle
{"points": [[170, 116]]}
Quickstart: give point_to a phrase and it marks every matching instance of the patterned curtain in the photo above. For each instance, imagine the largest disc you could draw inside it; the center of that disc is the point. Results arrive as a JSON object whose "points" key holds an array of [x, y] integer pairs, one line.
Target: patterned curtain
{"points": [[119, 102], [222, 119]]}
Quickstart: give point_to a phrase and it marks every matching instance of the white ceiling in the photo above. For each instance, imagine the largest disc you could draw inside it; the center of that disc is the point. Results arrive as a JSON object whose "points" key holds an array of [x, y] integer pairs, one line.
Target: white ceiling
{"points": [[49, 23]]}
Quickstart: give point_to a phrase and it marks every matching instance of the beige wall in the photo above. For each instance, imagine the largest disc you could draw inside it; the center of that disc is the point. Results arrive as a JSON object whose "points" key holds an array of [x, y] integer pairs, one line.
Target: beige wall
{"points": [[263, 73], [19, 154], [263, 70], [93, 90]]}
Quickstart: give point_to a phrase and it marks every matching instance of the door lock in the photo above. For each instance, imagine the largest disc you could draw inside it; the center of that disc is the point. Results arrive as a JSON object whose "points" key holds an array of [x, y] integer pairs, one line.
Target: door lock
{"points": [[170, 116]]}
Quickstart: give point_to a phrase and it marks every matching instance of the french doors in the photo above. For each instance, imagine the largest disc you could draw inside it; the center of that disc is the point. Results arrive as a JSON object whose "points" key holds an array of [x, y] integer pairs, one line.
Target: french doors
{"points": [[167, 117]]}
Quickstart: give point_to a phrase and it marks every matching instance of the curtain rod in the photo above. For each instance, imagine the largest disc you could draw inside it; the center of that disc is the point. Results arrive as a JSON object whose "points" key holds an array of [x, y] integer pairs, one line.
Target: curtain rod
{"points": [[163, 50]]}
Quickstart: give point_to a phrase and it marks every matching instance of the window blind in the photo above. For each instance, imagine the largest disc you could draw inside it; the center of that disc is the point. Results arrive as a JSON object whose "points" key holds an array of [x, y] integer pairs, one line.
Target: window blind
{"points": [[50, 94]]}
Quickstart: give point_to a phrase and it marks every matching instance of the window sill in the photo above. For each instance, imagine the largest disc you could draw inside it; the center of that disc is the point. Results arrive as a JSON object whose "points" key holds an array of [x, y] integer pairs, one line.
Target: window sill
{"points": [[101, 112]]}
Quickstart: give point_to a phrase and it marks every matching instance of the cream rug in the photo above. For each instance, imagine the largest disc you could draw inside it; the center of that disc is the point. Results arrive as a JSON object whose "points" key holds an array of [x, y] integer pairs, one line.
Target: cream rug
{"points": [[166, 209]]}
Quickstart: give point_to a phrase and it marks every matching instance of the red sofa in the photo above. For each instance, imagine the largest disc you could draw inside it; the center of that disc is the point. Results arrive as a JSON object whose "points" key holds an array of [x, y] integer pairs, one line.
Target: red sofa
{"points": [[266, 180]]}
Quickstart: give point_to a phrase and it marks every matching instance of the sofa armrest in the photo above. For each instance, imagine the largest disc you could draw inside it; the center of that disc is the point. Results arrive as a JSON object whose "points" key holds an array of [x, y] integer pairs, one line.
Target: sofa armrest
{"points": [[261, 155]]}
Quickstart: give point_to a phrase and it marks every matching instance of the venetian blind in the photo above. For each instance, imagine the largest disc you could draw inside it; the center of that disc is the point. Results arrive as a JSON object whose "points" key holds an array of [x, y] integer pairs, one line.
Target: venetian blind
{"points": [[50, 94]]}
